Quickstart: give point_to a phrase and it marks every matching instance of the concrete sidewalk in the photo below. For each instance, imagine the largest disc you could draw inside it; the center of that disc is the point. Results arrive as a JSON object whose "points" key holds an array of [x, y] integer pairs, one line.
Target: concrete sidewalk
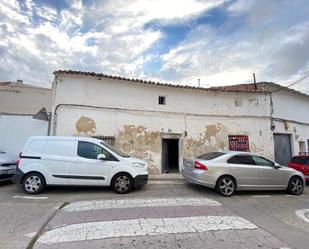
{"points": [[170, 176]]}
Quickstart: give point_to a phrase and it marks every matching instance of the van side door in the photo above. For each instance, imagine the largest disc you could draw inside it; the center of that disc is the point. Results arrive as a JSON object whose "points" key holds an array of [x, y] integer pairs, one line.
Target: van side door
{"points": [[89, 170], [57, 156]]}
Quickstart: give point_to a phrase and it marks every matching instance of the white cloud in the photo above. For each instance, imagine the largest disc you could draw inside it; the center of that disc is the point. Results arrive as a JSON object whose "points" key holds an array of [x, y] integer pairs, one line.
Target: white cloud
{"points": [[275, 52], [270, 39]]}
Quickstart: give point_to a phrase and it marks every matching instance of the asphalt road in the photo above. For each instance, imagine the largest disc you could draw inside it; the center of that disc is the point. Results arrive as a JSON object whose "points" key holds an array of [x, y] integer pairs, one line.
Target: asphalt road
{"points": [[162, 214]]}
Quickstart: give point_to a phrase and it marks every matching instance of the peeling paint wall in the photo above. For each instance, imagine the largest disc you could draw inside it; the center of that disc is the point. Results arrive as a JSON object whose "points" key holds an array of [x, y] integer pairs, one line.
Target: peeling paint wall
{"points": [[130, 112], [139, 142], [85, 126], [140, 134]]}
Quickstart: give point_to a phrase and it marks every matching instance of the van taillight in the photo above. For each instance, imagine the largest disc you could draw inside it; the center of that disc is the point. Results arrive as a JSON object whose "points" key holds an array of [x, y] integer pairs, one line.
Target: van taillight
{"points": [[200, 166], [18, 160]]}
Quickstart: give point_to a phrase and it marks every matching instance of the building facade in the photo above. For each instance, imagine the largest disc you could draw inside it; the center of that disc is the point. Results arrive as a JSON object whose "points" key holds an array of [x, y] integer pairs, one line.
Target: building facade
{"points": [[164, 123], [19, 103]]}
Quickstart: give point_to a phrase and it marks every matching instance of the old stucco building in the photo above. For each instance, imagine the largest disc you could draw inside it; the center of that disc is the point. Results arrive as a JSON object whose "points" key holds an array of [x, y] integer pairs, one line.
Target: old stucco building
{"points": [[19, 103], [163, 123]]}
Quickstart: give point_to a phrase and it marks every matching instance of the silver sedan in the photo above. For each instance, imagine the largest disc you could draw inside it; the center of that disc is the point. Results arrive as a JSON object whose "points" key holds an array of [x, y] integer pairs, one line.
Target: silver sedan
{"points": [[228, 171]]}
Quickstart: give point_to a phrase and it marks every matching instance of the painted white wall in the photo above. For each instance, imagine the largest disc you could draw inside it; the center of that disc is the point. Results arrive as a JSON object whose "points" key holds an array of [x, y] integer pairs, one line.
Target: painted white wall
{"points": [[136, 104], [15, 130], [291, 106], [18, 98], [293, 110], [139, 96]]}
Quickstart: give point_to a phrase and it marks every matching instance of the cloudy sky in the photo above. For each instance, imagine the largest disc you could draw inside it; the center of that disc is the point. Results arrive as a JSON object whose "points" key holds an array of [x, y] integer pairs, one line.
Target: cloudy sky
{"points": [[217, 41]]}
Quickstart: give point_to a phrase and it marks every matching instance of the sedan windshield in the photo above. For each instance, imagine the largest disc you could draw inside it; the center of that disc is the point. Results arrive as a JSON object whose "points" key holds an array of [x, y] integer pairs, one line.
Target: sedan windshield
{"points": [[211, 155], [114, 149]]}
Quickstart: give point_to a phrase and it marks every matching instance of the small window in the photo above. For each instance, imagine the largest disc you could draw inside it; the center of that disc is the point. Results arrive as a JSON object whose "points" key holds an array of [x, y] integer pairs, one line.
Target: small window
{"points": [[241, 159], [91, 151], [162, 100], [210, 156], [262, 161]]}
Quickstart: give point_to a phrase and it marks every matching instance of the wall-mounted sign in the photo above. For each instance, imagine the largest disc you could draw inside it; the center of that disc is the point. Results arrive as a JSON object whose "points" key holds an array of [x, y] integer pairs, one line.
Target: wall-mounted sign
{"points": [[239, 142]]}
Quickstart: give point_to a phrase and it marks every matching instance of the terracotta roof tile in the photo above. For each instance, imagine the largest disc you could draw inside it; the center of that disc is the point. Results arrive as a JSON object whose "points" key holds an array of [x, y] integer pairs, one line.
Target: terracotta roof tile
{"points": [[246, 88]]}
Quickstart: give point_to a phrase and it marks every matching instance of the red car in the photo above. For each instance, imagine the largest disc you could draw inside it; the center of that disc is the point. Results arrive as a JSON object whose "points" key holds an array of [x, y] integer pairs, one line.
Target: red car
{"points": [[301, 163]]}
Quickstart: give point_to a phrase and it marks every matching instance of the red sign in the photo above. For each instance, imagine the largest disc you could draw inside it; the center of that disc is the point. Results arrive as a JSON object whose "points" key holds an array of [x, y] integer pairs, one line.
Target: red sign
{"points": [[239, 143]]}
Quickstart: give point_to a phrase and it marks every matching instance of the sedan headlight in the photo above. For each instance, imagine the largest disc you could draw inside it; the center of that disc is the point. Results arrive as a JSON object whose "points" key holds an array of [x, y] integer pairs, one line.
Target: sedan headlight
{"points": [[139, 165]]}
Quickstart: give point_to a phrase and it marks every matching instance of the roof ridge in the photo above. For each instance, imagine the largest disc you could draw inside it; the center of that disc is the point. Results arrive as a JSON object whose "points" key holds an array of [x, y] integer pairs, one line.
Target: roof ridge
{"points": [[149, 82]]}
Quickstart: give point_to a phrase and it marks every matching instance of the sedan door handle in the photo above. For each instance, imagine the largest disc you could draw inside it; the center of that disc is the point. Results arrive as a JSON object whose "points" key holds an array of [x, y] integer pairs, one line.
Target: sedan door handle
{"points": [[261, 170]]}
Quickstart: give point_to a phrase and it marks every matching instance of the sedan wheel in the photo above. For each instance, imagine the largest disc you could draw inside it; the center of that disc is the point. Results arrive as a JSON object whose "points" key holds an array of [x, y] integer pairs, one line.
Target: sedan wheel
{"points": [[122, 184], [296, 186], [226, 186], [33, 183]]}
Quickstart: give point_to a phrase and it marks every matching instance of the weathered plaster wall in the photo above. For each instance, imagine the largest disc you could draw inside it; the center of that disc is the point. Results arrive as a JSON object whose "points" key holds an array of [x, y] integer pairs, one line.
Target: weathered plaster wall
{"points": [[137, 96], [140, 133], [130, 112]]}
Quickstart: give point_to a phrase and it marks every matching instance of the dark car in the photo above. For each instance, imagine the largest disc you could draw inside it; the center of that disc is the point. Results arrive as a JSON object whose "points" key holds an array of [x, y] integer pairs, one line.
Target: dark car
{"points": [[301, 163], [7, 166]]}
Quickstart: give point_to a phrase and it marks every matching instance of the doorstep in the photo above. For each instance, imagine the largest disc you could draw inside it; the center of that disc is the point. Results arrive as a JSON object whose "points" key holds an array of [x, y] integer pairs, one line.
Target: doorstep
{"points": [[170, 176]]}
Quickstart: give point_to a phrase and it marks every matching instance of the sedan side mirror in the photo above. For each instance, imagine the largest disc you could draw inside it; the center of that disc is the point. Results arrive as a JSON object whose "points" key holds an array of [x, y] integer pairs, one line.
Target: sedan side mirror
{"points": [[277, 166], [101, 157]]}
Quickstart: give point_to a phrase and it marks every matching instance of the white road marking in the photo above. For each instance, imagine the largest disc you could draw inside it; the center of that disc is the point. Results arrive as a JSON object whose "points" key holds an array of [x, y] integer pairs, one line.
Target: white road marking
{"points": [[30, 197], [134, 203], [260, 196], [303, 214], [143, 227]]}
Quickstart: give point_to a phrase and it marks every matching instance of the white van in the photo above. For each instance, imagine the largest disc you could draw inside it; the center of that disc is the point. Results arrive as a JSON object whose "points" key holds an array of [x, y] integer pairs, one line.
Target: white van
{"points": [[77, 161]]}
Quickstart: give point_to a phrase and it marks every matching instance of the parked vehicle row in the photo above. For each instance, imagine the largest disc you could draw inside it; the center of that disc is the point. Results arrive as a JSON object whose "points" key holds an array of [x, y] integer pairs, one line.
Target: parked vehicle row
{"points": [[233, 170], [77, 161], [81, 161], [301, 164]]}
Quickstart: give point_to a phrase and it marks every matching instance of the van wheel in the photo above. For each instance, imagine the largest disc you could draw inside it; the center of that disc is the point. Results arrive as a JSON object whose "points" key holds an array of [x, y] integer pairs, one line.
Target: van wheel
{"points": [[226, 186], [33, 183], [296, 186], [122, 183]]}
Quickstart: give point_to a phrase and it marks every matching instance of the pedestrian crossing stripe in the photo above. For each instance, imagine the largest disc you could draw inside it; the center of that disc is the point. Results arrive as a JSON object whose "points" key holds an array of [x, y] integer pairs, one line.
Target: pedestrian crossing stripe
{"points": [[138, 203], [143, 227]]}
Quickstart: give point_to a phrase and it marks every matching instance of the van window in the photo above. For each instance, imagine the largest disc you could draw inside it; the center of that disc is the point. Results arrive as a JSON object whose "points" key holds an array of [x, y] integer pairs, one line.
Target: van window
{"points": [[60, 148], [91, 151], [36, 146]]}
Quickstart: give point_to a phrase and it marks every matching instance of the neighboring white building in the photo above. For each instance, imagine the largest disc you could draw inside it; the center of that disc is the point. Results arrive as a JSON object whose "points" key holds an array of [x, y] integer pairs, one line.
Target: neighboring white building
{"points": [[290, 123], [19, 103]]}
